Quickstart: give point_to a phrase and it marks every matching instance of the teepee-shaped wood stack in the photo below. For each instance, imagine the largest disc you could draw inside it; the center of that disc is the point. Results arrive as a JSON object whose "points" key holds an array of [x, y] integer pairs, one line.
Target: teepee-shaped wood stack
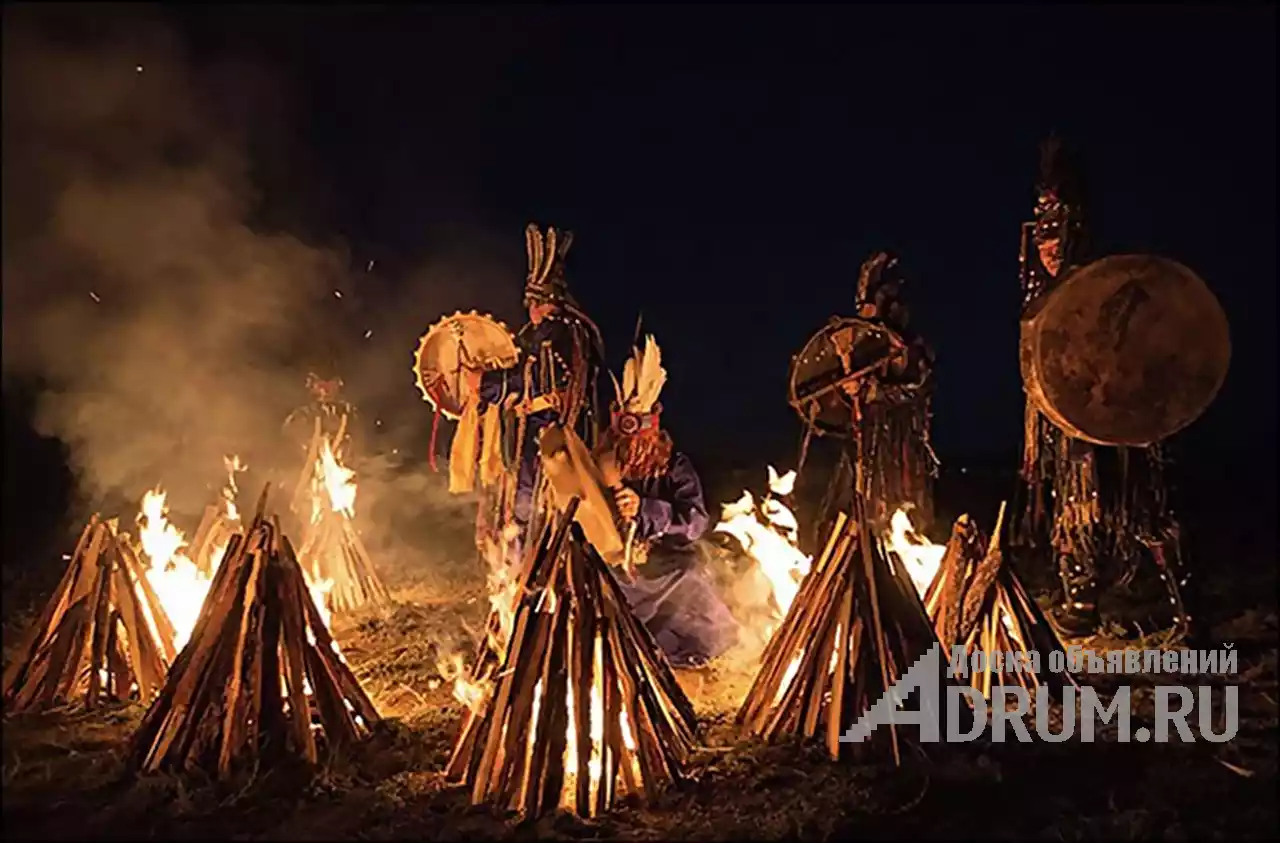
{"points": [[585, 709], [855, 627], [332, 549], [104, 631], [976, 601], [260, 675]]}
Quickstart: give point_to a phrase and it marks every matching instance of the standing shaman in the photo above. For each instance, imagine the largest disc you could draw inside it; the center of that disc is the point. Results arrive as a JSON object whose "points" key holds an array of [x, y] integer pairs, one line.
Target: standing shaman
{"points": [[1061, 471], [555, 379], [868, 380]]}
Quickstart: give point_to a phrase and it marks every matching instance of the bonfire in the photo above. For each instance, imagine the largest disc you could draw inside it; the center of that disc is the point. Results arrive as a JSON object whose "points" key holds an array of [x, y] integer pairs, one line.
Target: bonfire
{"points": [[856, 625], [104, 632], [332, 551], [261, 673], [978, 602], [585, 709]]}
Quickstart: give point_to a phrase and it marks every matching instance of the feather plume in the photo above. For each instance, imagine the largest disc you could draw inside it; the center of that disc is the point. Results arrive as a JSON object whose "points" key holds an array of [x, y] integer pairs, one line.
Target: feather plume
{"points": [[642, 378], [651, 378], [628, 383]]}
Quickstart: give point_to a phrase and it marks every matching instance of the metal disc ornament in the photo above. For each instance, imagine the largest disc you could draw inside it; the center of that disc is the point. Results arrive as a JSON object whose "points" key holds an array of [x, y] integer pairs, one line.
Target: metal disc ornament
{"points": [[453, 345], [1127, 350], [845, 350]]}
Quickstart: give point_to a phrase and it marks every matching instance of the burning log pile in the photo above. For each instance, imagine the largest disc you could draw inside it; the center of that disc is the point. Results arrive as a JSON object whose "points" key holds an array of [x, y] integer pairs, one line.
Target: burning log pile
{"points": [[261, 673], [976, 601], [585, 709], [332, 550], [104, 631], [855, 627]]}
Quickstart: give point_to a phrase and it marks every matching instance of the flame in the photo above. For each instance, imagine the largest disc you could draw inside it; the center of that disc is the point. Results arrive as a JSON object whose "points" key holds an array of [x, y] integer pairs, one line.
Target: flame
{"points": [[770, 533], [336, 481], [918, 555], [320, 594], [595, 764], [177, 581], [472, 695], [229, 492], [504, 598], [596, 714]]}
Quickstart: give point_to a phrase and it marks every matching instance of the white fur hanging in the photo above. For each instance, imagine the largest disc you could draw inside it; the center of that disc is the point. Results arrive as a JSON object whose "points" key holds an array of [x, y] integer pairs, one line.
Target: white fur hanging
{"points": [[642, 379]]}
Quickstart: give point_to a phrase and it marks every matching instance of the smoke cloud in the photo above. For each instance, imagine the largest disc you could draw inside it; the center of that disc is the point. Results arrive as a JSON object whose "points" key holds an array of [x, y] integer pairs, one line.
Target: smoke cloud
{"points": [[167, 326]]}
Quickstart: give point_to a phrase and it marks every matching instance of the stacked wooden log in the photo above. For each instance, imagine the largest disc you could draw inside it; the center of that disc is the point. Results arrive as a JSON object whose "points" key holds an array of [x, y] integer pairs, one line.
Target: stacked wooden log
{"points": [[260, 678], [332, 549], [855, 627], [585, 709], [978, 602], [104, 633]]}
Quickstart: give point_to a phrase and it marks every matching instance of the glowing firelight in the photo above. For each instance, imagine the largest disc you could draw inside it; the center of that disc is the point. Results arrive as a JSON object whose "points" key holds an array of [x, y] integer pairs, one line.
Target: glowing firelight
{"points": [[179, 584], [177, 581], [918, 555], [338, 482], [504, 599], [769, 534]]}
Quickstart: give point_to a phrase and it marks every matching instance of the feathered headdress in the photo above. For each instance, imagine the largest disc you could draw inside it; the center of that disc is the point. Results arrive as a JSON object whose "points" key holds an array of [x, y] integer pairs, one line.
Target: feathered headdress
{"points": [[636, 406], [545, 282]]}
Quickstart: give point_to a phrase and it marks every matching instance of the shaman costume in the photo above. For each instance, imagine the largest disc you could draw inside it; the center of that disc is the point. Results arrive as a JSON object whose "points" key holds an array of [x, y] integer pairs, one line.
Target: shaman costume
{"points": [[886, 387], [336, 415], [1064, 506], [562, 354], [669, 592]]}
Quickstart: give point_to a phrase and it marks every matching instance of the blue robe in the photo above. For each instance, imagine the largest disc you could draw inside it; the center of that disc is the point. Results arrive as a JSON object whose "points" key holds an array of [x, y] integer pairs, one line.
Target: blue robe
{"points": [[671, 595], [563, 342]]}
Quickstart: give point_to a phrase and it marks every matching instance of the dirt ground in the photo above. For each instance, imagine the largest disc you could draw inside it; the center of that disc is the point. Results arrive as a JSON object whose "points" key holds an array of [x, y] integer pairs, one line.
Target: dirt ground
{"points": [[62, 771]]}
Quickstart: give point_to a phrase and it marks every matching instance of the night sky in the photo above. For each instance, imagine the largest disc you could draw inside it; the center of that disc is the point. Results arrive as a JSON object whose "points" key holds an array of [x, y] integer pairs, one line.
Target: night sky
{"points": [[726, 171]]}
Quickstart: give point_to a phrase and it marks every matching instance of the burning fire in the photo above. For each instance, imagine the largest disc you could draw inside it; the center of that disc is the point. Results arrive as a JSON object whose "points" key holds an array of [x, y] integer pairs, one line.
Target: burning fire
{"points": [[177, 581], [769, 534], [595, 764], [333, 482], [504, 599], [179, 584], [229, 492], [918, 555]]}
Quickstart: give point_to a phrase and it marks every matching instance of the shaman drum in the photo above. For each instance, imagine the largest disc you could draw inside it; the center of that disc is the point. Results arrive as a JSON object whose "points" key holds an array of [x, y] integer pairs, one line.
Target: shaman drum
{"points": [[454, 344], [1127, 350], [846, 349]]}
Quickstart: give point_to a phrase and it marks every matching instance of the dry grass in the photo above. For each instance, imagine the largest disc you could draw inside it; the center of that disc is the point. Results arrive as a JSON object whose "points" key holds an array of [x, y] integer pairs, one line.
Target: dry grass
{"points": [[62, 773]]}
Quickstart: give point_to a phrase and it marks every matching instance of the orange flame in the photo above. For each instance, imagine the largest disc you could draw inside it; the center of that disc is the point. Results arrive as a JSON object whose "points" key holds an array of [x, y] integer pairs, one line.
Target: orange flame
{"points": [[769, 534]]}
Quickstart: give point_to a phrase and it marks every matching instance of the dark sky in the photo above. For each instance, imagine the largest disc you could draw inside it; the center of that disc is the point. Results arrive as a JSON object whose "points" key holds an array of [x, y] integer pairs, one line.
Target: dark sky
{"points": [[726, 170]]}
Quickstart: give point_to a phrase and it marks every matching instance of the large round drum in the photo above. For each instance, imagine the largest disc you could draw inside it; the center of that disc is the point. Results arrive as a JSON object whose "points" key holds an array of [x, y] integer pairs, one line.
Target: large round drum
{"points": [[846, 349], [1127, 350], [453, 345]]}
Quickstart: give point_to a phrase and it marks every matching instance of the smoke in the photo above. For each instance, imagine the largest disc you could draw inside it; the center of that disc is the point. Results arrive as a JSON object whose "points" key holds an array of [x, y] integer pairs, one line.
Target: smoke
{"points": [[166, 325]]}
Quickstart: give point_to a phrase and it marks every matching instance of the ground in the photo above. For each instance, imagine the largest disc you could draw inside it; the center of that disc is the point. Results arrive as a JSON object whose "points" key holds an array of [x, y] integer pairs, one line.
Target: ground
{"points": [[62, 771]]}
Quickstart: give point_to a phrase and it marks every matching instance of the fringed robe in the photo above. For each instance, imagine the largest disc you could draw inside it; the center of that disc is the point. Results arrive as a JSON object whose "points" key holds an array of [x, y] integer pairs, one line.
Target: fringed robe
{"points": [[562, 356]]}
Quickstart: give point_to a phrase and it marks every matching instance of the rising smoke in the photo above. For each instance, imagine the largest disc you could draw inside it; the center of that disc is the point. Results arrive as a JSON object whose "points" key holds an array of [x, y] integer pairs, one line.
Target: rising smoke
{"points": [[166, 328]]}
